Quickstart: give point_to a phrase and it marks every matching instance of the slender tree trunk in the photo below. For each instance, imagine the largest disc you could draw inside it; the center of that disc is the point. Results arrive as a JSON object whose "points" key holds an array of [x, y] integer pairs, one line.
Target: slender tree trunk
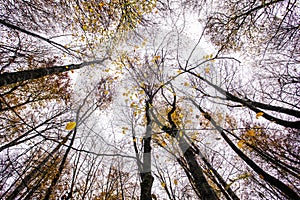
{"points": [[227, 191], [256, 106], [201, 184], [14, 77], [146, 174], [286, 190], [26, 180], [60, 169]]}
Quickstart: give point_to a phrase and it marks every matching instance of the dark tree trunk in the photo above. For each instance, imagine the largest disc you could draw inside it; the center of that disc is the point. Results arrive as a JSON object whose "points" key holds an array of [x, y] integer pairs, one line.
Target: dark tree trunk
{"points": [[223, 186], [256, 106], [146, 174], [201, 184], [26, 180], [286, 190], [60, 169], [195, 170], [14, 77]]}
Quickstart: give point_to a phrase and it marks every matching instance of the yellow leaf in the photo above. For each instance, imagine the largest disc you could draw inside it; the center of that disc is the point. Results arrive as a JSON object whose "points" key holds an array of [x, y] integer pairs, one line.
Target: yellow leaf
{"points": [[207, 70], [243, 176], [180, 133], [186, 84], [259, 114], [124, 129], [194, 137], [155, 58], [106, 92], [84, 27], [241, 143], [101, 4], [251, 133], [163, 143], [132, 105], [163, 184], [70, 126], [175, 182]]}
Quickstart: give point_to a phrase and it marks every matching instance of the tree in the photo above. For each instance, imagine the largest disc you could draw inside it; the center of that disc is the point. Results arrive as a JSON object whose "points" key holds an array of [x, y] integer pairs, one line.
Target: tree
{"points": [[150, 114], [273, 23], [15, 77]]}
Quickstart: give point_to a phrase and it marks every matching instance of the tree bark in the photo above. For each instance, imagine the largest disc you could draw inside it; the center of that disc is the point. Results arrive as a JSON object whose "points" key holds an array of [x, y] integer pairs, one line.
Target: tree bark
{"points": [[223, 186], [254, 106], [286, 190], [200, 182], [146, 174], [14, 77], [204, 189], [26, 180]]}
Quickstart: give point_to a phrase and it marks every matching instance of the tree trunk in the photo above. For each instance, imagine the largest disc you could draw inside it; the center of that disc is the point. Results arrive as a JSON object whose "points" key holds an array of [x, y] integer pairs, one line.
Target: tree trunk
{"points": [[14, 77], [254, 106], [146, 174], [26, 180], [201, 184], [286, 190]]}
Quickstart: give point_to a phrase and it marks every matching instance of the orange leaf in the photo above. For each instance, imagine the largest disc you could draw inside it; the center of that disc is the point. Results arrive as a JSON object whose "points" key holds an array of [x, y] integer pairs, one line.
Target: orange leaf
{"points": [[241, 143], [163, 143], [259, 114], [251, 133], [261, 176]]}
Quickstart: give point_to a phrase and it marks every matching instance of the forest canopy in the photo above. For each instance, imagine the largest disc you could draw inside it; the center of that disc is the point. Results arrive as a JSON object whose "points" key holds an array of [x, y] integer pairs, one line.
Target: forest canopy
{"points": [[136, 99]]}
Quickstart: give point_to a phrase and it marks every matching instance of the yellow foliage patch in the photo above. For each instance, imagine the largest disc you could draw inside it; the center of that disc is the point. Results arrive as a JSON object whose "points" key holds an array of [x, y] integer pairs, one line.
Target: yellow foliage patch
{"points": [[70, 126], [207, 69], [241, 143], [250, 133]]}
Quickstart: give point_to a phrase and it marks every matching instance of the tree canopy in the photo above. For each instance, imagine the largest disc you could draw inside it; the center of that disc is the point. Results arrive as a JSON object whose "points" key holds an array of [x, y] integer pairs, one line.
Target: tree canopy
{"points": [[136, 99]]}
